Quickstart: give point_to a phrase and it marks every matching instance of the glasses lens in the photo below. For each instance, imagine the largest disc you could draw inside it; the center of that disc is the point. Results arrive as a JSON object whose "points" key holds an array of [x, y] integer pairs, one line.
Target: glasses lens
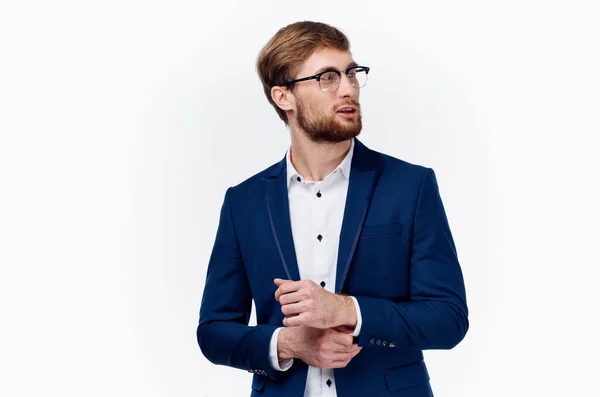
{"points": [[329, 81], [358, 77]]}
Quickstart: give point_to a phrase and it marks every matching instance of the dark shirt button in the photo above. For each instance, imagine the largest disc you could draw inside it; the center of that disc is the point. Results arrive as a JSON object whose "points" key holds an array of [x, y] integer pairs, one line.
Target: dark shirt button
{"points": [[328, 382], [323, 284], [298, 179], [319, 194], [319, 237]]}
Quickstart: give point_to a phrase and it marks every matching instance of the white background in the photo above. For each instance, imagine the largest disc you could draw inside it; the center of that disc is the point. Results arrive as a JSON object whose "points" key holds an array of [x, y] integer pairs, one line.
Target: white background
{"points": [[123, 122]]}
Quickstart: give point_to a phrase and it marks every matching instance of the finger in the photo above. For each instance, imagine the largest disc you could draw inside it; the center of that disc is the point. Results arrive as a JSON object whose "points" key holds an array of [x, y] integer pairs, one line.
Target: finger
{"points": [[344, 329], [334, 359], [285, 288], [336, 337], [280, 281], [341, 360], [293, 321], [343, 339], [346, 349], [292, 309], [355, 352], [291, 297]]}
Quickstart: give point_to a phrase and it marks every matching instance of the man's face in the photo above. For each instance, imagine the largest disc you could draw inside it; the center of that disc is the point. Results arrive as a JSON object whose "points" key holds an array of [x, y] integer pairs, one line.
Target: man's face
{"points": [[317, 112]]}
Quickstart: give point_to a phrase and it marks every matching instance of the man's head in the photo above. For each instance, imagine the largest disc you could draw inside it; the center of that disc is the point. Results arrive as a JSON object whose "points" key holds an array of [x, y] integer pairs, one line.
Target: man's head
{"points": [[305, 49]]}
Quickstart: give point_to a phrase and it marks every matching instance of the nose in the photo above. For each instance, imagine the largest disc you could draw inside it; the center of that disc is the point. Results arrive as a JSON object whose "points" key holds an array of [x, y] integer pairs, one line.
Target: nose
{"points": [[346, 89]]}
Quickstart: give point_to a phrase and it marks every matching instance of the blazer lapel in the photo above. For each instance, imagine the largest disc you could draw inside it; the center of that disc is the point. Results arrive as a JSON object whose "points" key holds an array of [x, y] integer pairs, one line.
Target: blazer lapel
{"points": [[276, 196], [365, 171]]}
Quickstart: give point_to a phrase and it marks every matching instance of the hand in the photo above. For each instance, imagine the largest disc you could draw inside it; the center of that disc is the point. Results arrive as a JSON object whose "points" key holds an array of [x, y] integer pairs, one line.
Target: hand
{"points": [[322, 348], [306, 303]]}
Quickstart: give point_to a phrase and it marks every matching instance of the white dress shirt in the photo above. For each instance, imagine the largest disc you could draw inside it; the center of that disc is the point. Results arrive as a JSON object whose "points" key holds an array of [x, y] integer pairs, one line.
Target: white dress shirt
{"points": [[316, 214]]}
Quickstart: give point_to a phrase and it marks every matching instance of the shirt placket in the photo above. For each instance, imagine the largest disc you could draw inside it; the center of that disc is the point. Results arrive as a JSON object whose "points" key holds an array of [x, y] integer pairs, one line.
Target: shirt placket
{"points": [[322, 260]]}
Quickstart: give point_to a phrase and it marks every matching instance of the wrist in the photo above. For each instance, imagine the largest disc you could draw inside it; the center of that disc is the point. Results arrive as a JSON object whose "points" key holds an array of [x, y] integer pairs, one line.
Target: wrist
{"points": [[348, 317], [284, 345]]}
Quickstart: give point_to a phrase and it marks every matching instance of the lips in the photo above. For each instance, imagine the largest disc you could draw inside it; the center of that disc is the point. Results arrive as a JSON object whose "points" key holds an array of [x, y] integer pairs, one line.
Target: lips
{"points": [[347, 112], [346, 109]]}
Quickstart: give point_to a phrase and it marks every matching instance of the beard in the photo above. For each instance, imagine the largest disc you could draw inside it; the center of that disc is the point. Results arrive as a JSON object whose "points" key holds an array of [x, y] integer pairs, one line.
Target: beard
{"points": [[325, 128]]}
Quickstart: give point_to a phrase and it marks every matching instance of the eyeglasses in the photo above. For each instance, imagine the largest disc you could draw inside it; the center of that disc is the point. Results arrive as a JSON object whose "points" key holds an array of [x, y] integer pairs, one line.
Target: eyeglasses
{"points": [[329, 80]]}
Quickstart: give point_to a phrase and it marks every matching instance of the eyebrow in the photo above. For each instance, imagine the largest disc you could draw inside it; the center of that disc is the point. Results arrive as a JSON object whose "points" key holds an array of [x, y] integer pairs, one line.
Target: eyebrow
{"points": [[326, 68]]}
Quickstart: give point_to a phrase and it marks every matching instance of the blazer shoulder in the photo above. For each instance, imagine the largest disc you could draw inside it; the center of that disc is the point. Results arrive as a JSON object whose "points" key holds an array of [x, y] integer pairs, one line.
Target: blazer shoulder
{"points": [[396, 165]]}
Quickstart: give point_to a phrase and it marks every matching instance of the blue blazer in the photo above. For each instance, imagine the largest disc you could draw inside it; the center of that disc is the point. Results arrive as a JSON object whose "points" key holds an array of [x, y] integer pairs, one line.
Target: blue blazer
{"points": [[396, 256]]}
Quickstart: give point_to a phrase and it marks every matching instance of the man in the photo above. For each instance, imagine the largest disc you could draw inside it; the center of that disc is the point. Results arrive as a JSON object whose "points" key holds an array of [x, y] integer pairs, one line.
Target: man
{"points": [[346, 251]]}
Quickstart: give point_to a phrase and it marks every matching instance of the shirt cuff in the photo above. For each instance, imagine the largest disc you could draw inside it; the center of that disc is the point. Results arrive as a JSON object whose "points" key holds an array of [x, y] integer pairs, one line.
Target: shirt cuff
{"points": [[358, 318], [277, 365]]}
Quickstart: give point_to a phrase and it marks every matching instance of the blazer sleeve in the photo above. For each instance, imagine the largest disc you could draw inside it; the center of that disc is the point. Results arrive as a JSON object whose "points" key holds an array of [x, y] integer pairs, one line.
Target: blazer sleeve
{"points": [[223, 333], [435, 316]]}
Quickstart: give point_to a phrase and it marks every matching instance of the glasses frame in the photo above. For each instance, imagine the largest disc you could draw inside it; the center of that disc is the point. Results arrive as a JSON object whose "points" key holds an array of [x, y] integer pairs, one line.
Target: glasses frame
{"points": [[318, 76]]}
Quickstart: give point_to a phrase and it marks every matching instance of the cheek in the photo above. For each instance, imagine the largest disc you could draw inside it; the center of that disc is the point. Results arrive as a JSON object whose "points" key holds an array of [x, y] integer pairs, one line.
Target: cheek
{"points": [[318, 103], [321, 110]]}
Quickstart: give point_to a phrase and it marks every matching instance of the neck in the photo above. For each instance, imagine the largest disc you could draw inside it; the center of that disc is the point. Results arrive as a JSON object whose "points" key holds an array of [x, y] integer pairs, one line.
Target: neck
{"points": [[314, 161]]}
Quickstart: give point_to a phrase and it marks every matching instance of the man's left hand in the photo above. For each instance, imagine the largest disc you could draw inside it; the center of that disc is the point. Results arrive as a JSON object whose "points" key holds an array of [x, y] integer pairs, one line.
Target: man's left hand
{"points": [[306, 303]]}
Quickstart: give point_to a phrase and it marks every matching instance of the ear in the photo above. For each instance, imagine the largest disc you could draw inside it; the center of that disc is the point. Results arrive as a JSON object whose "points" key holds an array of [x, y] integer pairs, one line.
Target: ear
{"points": [[283, 97]]}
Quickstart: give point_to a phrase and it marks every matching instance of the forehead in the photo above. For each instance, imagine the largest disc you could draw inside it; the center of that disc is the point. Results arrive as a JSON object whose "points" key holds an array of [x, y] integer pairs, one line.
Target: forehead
{"points": [[323, 58]]}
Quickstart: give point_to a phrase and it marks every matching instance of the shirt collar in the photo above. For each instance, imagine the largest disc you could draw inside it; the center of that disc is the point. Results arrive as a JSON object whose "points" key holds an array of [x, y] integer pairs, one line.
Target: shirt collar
{"points": [[344, 166]]}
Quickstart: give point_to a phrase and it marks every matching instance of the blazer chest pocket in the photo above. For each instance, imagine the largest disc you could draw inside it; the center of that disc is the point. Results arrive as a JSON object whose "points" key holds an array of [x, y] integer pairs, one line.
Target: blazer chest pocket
{"points": [[381, 230]]}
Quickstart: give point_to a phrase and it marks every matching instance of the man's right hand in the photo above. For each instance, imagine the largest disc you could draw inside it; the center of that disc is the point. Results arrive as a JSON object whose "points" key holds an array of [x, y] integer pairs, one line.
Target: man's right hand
{"points": [[322, 348]]}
